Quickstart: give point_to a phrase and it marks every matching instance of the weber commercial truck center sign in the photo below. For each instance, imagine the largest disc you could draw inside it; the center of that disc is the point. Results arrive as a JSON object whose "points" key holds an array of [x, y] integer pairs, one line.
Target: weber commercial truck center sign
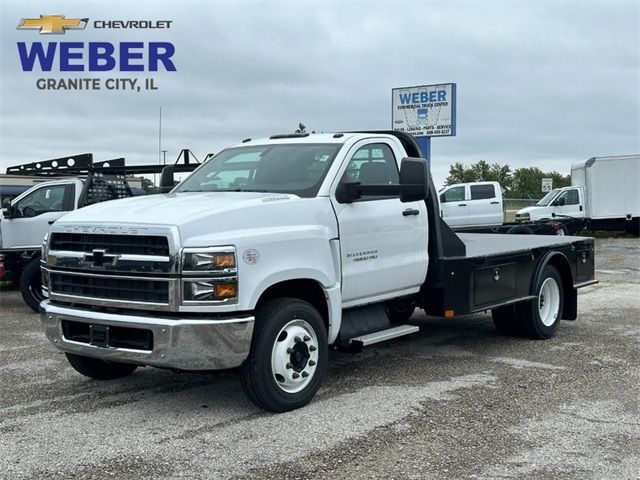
{"points": [[427, 110]]}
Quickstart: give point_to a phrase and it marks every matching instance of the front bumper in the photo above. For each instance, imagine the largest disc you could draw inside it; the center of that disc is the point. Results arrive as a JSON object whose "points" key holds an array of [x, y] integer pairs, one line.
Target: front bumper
{"points": [[182, 344]]}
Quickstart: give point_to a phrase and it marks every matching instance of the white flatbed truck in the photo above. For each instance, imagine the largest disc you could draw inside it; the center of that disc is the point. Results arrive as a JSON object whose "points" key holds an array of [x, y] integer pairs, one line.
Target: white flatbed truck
{"points": [[274, 251]]}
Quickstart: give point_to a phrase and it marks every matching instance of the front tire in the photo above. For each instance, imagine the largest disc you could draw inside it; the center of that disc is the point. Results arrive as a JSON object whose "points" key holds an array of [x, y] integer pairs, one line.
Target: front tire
{"points": [[540, 319], [288, 357], [31, 285], [99, 369]]}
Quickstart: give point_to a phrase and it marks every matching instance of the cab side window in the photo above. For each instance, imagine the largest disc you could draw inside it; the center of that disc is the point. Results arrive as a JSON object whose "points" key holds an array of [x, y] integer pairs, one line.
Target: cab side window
{"points": [[455, 194], [569, 197], [373, 164], [43, 200], [481, 192]]}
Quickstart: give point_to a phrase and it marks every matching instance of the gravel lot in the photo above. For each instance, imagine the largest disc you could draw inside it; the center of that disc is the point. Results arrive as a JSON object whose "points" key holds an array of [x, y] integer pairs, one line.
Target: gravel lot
{"points": [[455, 401]]}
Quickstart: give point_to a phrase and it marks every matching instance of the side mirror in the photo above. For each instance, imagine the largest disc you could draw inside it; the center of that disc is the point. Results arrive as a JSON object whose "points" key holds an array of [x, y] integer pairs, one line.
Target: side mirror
{"points": [[348, 192], [7, 209], [414, 180], [166, 179], [559, 202]]}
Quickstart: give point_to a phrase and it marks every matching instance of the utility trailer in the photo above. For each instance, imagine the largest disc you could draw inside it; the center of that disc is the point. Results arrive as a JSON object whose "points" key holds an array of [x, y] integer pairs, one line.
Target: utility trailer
{"points": [[316, 241], [68, 183]]}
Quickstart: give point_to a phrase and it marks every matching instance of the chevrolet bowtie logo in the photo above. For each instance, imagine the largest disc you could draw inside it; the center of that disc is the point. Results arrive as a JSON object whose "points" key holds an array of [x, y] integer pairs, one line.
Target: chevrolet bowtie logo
{"points": [[100, 258], [53, 23]]}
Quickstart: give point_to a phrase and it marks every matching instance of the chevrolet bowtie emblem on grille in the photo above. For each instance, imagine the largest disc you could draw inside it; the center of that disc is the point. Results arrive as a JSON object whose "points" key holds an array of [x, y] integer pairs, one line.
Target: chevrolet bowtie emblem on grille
{"points": [[98, 258], [53, 23]]}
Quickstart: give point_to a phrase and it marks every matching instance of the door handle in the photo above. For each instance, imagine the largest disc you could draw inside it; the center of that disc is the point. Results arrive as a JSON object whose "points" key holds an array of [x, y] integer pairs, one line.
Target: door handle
{"points": [[495, 203], [410, 211], [462, 204]]}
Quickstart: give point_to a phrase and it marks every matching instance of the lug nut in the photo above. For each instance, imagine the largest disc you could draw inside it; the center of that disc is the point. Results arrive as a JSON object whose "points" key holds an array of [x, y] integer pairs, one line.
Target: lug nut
{"points": [[305, 374], [290, 350], [288, 365], [307, 338], [297, 339], [312, 348], [295, 375], [312, 363]]}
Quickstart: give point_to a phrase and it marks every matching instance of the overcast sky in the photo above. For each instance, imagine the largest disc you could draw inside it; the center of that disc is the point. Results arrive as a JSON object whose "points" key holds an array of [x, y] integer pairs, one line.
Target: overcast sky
{"points": [[539, 83]]}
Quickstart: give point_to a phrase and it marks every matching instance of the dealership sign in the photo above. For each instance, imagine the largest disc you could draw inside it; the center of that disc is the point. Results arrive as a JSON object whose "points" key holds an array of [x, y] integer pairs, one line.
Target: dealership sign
{"points": [[64, 58], [427, 110]]}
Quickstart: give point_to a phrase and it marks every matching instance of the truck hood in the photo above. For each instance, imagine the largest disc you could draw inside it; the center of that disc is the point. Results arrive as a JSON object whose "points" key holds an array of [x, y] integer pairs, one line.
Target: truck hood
{"points": [[172, 208], [213, 214], [530, 209]]}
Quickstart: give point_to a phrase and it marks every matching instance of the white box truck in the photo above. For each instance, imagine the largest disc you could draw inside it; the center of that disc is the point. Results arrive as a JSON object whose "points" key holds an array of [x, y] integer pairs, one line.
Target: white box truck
{"points": [[604, 194]]}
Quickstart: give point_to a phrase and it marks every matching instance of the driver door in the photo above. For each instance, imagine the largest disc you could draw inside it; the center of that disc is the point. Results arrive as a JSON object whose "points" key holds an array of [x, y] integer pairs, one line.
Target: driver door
{"points": [[383, 241], [34, 213]]}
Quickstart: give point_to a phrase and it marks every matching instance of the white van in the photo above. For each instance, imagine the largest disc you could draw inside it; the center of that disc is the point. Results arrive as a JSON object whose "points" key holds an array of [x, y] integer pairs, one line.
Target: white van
{"points": [[472, 204]]}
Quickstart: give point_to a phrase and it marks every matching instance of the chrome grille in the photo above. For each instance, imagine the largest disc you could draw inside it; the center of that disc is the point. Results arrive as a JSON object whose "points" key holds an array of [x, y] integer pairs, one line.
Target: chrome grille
{"points": [[153, 245], [128, 289]]}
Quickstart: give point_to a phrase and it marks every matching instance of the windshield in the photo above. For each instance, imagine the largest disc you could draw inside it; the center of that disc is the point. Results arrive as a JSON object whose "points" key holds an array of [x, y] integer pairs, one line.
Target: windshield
{"points": [[294, 168], [546, 200]]}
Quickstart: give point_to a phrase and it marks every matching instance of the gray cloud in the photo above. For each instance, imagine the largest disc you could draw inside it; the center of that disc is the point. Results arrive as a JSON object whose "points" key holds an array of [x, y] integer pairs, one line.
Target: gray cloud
{"points": [[541, 84]]}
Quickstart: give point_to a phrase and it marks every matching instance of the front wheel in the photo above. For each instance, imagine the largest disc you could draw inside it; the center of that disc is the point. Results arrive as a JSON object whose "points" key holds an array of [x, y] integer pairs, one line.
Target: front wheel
{"points": [[31, 285], [540, 318], [288, 357]]}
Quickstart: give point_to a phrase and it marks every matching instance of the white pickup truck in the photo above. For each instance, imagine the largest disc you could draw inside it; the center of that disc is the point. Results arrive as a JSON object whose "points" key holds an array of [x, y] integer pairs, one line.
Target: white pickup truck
{"points": [[475, 204], [26, 219], [315, 242]]}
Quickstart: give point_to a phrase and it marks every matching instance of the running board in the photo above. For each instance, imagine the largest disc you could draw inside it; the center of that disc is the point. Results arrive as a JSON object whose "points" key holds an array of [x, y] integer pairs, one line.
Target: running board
{"points": [[383, 335]]}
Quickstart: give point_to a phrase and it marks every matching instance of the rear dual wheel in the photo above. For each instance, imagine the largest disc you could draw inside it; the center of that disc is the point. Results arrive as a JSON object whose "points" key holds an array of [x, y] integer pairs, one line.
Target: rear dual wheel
{"points": [[537, 319]]}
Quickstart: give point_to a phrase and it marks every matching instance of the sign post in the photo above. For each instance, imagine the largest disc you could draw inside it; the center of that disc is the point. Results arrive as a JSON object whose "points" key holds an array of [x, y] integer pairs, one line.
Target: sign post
{"points": [[425, 111]]}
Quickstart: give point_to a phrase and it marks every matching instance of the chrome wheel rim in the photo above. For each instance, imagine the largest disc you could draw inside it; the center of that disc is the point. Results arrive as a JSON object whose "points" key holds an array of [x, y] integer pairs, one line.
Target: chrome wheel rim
{"points": [[549, 302], [294, 357]]}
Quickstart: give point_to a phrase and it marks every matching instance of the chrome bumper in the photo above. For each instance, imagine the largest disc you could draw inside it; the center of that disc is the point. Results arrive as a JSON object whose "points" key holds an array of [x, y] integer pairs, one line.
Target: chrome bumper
{"points": [[184, 344]]}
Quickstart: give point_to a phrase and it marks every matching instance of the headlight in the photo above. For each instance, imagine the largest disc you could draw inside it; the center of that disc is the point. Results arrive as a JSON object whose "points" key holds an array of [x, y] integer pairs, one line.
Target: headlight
{"points": [[210, 290], [43, 249], [209, 275], [524, 217], [213, 259]]}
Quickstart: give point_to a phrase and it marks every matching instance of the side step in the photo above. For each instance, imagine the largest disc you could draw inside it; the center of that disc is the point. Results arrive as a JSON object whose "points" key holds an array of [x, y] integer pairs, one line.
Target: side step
{"points": [[383, 335]]}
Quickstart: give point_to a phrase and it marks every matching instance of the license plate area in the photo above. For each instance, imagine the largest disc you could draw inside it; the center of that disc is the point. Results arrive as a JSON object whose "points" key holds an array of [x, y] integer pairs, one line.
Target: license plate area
{"points": [[105, 336], [99, 335]]}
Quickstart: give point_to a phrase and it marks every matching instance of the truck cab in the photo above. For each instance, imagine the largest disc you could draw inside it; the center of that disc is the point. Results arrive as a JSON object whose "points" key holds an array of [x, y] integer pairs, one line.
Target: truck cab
{"points": [[559, 202], [472, 204], [26, 219]]}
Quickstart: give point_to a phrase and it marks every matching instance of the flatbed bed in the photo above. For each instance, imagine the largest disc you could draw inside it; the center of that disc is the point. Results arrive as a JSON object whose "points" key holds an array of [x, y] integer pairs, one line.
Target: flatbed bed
{"points": [[487, 244]]}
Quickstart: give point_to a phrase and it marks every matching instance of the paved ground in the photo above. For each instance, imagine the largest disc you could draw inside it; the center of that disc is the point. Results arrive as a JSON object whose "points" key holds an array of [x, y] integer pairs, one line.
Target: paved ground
{"points": [[456, 401]]}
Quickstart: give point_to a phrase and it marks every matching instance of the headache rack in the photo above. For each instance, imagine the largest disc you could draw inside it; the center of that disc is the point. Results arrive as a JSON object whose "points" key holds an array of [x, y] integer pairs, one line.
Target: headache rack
{"points": [[105, 180]]}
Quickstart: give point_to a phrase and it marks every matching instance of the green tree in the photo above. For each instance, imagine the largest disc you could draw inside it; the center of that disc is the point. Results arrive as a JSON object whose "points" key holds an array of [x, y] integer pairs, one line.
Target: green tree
{"points": [[480, 171], [527, 182], [148, 186], [523, 182]]}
